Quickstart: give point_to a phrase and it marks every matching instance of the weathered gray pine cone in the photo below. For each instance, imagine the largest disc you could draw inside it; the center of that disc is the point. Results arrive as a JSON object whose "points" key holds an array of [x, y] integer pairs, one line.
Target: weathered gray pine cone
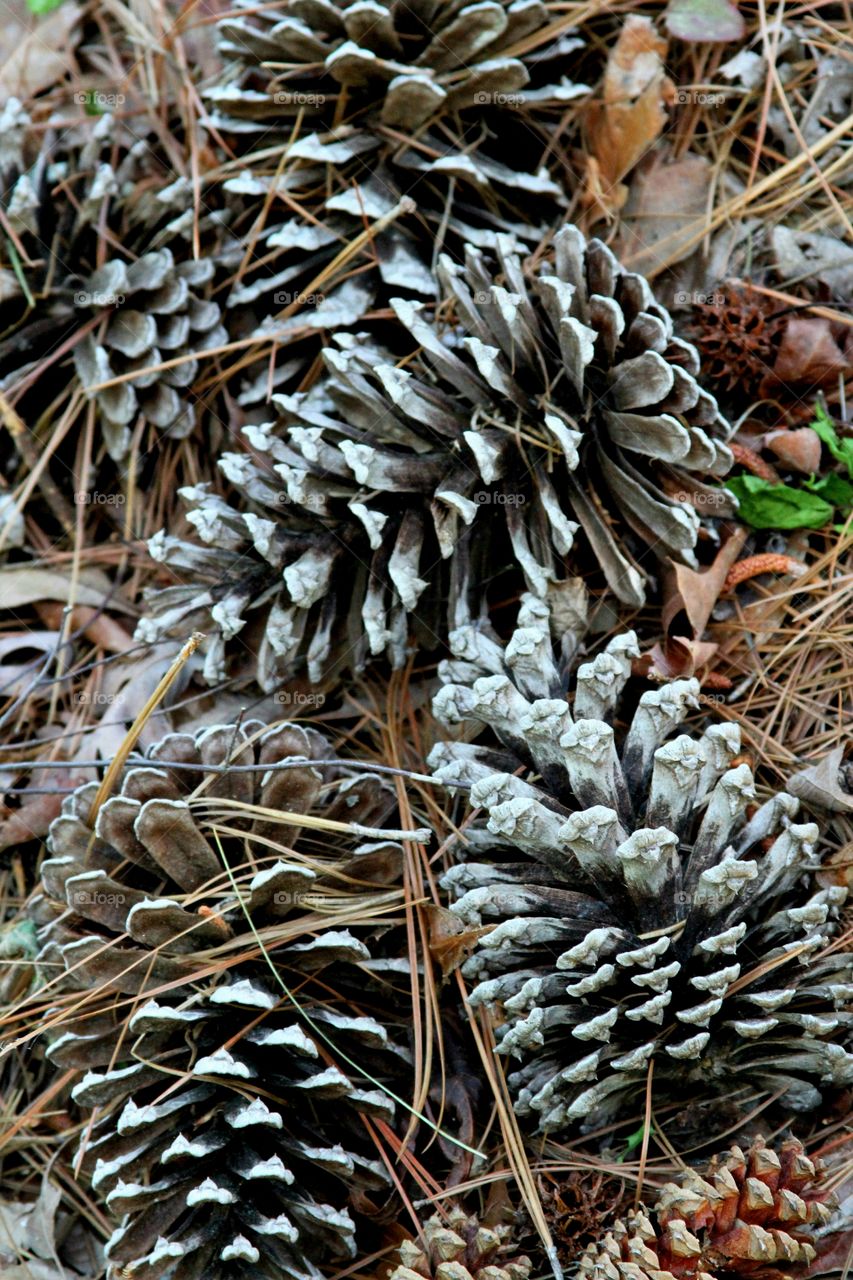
{"points": [[460, 1247], [751, 1214], [154, 301], [409, 62], [644, 907], [156, 312], [561, 400], [455, 106], [228, 1130]]}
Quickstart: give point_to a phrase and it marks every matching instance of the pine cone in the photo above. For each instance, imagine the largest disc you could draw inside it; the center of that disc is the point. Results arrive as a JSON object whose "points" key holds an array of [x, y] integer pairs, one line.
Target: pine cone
{"points": [[446, 107], [154, 316], [92, 184], [228, 1085], [751, 1215], [408, 63], [405, 98], [460, 1247], [644, 907], [559, 401]]}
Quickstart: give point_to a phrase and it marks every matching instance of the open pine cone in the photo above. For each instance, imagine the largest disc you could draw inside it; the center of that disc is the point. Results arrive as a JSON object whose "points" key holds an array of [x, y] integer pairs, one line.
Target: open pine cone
{"points": [[644, 906], [460, 1247], [752, 1214], [434, 124], [406, 62], [229, 1084], [405, 97], [561, 400], [88, 185], [154, 315]]}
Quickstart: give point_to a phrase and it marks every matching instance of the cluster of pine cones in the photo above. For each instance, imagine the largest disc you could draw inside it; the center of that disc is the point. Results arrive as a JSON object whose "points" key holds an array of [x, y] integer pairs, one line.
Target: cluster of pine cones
{"points": [[462, 401]]}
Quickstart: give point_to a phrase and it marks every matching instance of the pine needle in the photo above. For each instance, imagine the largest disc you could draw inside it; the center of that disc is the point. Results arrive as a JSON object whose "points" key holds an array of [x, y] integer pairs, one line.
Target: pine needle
{"points": [[132, 736]]}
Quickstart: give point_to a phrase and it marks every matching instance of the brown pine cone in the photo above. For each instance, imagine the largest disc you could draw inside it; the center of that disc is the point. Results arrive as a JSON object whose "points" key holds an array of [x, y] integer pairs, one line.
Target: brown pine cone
{"points": [[751, 1215], [460, 1248]]}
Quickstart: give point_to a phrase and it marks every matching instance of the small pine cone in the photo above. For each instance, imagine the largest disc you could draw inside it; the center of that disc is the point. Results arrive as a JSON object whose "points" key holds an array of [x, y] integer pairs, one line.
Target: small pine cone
{"points": [[555, 404], [752, 1214], [460, 1247], [643, 906], [227, 1132], [156, 313]]}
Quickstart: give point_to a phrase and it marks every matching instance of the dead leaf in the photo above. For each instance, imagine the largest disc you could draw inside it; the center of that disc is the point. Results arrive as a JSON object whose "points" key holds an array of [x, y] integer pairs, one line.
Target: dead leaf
{"points": [[821, 784], [798, 450], [666, 205], [31, 820], [31, 584], [689, 598], [623, 126], [808, 353], [450, 943], [35, 53], [716, 21], [679, 657], [96, 626], [695, 592]]}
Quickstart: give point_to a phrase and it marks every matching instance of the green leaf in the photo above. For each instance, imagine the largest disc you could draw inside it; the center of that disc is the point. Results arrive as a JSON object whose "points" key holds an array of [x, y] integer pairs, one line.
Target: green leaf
{"points": [[714, 20], [832, 488], [634, 1140], [778, 506], [824, 427], [42, 7]]}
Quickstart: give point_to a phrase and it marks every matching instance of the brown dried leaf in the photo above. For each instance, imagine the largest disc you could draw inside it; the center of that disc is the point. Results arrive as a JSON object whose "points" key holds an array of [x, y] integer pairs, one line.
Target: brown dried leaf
{"points": [[35, 52], [32, 819], [821, 785], [450, 943], [694, 593], [678, 657], [798, 450], [102, 630], [808, 353], [631, 116], [689, 597], [667, 202]]}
